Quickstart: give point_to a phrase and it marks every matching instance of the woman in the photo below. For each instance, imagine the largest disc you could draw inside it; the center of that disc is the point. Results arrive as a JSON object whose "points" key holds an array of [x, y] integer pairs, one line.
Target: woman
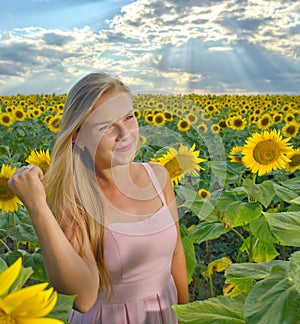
{"points": [[107, 226]]}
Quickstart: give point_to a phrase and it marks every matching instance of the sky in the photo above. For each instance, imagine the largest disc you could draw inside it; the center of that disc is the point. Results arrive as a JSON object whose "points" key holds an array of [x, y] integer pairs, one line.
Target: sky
{"points": [[164, 46]]}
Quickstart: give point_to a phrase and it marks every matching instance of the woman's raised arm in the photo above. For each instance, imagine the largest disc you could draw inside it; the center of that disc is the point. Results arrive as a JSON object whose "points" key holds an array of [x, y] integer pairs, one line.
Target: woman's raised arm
{"points": [[68, 272]]}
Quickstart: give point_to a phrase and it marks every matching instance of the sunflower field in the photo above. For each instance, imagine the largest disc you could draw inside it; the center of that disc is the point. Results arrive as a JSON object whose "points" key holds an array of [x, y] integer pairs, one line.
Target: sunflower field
{"points": [[234, 162]]}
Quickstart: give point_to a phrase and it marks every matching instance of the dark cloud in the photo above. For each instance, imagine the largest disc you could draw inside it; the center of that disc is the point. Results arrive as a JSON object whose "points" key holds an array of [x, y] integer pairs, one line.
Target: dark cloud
{"points": [[56, 39]]}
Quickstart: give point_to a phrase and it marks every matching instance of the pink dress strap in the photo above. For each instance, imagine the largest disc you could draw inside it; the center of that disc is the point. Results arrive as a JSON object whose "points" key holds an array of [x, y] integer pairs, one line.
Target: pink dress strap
{"points": [[155, 182]]}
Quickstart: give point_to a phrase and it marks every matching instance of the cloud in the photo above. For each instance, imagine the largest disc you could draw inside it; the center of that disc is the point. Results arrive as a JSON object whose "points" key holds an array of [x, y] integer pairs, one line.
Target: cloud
{"points": [[210, 46]]}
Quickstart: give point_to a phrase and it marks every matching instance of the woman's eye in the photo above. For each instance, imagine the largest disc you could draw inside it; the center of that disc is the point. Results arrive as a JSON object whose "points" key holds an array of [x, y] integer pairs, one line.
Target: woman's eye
{"points": [[130, 116]]}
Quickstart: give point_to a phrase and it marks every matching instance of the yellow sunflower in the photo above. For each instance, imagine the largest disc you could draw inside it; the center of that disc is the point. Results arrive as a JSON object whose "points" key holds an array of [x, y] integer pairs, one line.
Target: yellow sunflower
{"points": [[290, 129], [137, 113], [179, 163], [294, 163], [235, 154], [26, 305], [168, 116], [6, 119], [19, 114], [40, 158], [215, 128], [54, 123], [183, 125], [265, 152], [8, 200], [192, 118], [204, 194], [202, 127], [159, 119], [237, 122], [264, 122]]}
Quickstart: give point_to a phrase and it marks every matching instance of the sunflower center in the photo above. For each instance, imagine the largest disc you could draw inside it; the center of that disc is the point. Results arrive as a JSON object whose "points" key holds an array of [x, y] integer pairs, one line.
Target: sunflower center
{"points": [[265, 121], [291, 130], [295, 160], [6, 319], [238, 122], [266, 152], [44, 166], [5, 192], [173, 168]]}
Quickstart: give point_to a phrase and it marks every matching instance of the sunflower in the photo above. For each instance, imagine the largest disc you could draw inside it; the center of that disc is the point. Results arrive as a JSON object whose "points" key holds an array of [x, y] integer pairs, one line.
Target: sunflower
{"points": [[290, 129], [183, 125], [8, 200], [215, 128], [294, 163], [191, 118], [180, 162], [54, 123], [159, 119], [235, 154], [168, 116], [237, 122], [202, 127], [266, 152], [26, 305], [6, 119], [40, 158], [142, 140], [19, 114], [149, 118], [264, 122], [204, 194], [137, 113], [277, 118]]}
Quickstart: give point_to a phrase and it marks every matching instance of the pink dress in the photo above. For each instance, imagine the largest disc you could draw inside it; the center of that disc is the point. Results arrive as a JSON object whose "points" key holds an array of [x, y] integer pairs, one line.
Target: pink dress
{"points": [[138, 255]]}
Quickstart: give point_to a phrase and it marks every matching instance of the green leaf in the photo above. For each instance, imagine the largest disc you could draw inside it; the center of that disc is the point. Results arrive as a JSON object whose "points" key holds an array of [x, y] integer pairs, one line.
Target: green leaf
{"points": [[22, 232], [262, 251], [295, 201], [285, 226], [273, 300], [263, 192], [295, 269], [241, 213], [36, 262], [293, 184], [226, 200], [62, 308], [24, 275], [284, 193], [220, 309], [252, 270], [205, 231], [3, 265], [190, 257], [260, 228]]}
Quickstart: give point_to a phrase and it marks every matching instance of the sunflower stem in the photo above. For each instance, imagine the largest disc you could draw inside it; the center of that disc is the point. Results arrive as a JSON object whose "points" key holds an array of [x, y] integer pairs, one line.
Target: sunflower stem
{"points": [[250, 251], [5, 245]]}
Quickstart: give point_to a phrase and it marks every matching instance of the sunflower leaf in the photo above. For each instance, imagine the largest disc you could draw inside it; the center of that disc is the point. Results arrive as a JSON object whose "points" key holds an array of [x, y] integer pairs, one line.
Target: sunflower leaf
{"points": [[220, 309], [285, 226]]}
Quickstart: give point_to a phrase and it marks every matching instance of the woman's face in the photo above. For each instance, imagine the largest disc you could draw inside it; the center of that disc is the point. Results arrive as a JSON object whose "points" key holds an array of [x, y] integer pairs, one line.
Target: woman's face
{"points": [[111, 133]]}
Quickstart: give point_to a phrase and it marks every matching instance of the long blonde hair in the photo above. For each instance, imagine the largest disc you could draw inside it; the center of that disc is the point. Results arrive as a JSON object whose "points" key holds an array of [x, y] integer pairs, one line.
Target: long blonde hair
{"points": [[72, 192]]}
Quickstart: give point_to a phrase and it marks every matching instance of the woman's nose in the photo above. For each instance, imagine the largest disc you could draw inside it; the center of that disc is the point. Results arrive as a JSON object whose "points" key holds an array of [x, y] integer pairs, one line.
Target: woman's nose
{"points": [[122, 131]]}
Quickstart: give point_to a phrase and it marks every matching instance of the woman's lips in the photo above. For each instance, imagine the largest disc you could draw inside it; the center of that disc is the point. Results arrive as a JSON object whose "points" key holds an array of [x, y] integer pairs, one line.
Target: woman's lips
{"points": [[124, 148]]}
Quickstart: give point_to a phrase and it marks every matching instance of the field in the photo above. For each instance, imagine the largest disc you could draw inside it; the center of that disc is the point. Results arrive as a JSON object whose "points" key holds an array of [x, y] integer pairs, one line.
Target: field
{"points": [[234, 162]]}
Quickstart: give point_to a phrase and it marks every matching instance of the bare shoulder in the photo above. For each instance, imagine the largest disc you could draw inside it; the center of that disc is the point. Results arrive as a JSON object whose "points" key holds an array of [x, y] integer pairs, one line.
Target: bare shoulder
{"points": [[161, 173], [163, 177]]}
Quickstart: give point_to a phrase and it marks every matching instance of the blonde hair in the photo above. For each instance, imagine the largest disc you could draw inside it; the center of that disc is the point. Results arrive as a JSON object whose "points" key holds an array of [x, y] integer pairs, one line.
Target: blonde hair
{"points": [[72, 190]]}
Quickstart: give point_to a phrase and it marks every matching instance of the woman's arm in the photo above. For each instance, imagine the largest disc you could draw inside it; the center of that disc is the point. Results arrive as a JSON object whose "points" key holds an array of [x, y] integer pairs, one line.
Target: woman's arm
{"points": [[68, 272], [178, 270]]}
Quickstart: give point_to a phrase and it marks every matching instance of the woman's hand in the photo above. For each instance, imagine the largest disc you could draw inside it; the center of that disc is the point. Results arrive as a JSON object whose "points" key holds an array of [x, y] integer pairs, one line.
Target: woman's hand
{"points": [[26, 183]]}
